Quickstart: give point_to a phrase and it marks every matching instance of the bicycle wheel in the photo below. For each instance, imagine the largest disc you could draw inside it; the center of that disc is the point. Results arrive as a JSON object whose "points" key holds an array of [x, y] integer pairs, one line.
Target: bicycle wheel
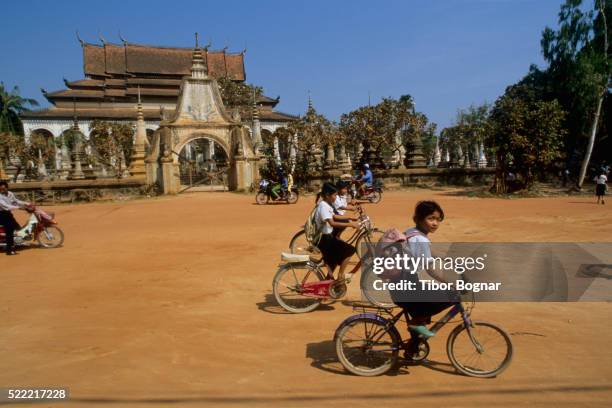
{"points": [[375, 197], [300, 245], [366, 348], [486, 353], [51, 237], [287, 287], [261, 198], [375, 236]]}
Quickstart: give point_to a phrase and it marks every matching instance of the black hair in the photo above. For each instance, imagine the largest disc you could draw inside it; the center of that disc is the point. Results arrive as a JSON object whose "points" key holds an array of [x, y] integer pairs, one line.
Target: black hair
{"points": [[340, 184], [327, 189], [4, 183], [424, 209]]}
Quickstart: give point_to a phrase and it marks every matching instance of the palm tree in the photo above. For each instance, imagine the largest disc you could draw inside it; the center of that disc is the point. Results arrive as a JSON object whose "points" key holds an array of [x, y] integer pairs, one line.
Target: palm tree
{"points": [[11, 106], [11, 129]]}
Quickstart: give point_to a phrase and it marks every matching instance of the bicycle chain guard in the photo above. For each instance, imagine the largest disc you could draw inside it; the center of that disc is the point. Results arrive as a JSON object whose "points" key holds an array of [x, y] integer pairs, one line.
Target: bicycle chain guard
{"points": [[324, 289], [317, 289]]}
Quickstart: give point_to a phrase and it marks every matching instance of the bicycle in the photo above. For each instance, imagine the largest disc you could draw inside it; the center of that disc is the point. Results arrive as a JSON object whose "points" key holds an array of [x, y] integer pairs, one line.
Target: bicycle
{"points": [[368, 344], [300, 285], [300, 244]]}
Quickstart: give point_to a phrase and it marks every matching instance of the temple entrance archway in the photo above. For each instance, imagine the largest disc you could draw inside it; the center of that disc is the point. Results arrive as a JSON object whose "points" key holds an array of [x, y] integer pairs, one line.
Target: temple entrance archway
{"points": [[202, 147], [203, 165]]}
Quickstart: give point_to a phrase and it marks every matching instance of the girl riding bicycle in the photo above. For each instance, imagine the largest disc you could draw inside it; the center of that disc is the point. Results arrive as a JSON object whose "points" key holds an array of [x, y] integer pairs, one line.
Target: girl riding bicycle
{"points": [[335, 251], [341, 204], [427, 218]]}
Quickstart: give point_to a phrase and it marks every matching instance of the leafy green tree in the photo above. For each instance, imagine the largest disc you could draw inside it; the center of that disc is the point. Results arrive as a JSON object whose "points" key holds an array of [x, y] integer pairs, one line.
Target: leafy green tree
{"points": [[314, 132], [111, 143], [376, 127], [12, 143], [579, 72], [11, 106], [239, 95], [428, 139], [527, 135]]}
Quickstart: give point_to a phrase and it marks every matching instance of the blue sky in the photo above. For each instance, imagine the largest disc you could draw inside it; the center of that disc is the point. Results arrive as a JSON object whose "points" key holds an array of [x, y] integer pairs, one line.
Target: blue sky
{"points": [[446, 54]]}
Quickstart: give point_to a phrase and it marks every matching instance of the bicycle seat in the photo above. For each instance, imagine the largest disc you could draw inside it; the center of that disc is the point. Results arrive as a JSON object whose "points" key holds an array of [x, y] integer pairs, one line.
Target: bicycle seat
{"points": [[294, 258]]}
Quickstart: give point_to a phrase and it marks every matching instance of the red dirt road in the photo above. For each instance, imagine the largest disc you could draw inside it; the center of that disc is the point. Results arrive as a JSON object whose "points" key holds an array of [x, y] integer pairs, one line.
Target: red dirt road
{"points": [[167, 303]]}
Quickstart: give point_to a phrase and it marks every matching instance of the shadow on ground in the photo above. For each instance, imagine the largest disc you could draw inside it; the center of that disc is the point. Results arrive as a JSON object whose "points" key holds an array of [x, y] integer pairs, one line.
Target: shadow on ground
{"points": [[270, 305], [324, 357]]}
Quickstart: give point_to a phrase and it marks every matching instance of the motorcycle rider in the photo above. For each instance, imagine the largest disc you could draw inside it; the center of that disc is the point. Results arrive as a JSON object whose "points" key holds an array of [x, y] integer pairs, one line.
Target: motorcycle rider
{"points": [[9, 202], [280, 187], [366, 179]]}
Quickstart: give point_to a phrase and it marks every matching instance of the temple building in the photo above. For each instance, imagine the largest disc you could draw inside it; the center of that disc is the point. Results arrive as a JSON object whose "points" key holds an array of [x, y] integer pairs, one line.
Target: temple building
{"points": [[116, 74]]}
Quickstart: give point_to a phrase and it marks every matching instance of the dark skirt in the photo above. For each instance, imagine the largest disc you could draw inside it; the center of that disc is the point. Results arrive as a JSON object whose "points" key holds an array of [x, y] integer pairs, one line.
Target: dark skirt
{"points": [[334, 250], [338, 230], [600, 190]]}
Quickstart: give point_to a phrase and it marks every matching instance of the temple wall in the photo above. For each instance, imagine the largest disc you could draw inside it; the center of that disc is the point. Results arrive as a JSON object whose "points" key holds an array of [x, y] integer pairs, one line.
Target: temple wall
{"points": [[55, 192], [425, 177]]}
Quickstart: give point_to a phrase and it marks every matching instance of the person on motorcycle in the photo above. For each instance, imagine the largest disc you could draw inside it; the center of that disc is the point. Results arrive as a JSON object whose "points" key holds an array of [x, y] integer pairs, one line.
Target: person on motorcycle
{"points": [[9, 202], [366, 179], [280, 184]]}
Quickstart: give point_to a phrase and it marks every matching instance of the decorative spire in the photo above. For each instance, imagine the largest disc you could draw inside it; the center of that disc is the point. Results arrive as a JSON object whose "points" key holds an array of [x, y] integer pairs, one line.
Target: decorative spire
{"points": [[137, 164], [75, 122], [257, 142], [255, 110], [76, 172], [310, 107], [198, 66], [140, 114]]}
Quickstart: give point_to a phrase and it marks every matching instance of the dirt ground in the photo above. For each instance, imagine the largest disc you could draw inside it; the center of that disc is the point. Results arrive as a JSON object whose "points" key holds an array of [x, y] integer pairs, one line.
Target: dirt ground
{"points": [[167, 302]]}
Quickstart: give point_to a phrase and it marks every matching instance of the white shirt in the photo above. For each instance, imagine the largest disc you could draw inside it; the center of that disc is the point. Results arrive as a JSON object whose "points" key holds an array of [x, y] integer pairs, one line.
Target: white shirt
{"points": [[419, 246], [602, 179], [9, 202], [340, 203], [324, 213]]}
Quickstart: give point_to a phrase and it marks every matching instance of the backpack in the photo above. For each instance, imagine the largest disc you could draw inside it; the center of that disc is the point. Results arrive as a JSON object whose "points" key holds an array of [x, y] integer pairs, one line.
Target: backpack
{"points": [[390, 244], [312, 231]]}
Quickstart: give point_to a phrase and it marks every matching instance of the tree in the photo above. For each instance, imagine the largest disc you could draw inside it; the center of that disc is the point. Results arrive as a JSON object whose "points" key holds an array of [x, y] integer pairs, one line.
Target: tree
{"points": [[428, 139], [12, 142], [527, 135], [238, 95], [314, 131], [111, 143], [11, 106], [578, 57], [376, 127]]}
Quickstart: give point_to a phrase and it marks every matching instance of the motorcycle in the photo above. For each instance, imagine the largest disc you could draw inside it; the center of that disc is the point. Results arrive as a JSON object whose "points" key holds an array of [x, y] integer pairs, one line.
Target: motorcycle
{"points": [[264, 195], [372, 193], [41, 227]]}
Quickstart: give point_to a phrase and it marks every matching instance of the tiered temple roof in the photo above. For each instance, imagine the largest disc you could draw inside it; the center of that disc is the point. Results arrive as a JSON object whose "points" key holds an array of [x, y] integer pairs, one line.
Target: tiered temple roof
{"points": [[114, 74]]}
